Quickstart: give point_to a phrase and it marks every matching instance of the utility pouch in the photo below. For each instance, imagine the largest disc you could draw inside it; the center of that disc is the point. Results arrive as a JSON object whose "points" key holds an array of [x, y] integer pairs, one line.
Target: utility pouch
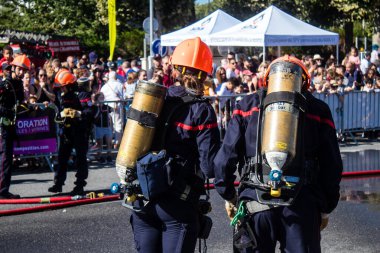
{"points": [[243, 236], [155, 174], [204, 226]]}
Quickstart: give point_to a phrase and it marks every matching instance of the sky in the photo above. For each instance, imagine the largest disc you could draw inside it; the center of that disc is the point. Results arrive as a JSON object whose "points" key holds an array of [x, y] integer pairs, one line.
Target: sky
{"points": [[202, 1]]}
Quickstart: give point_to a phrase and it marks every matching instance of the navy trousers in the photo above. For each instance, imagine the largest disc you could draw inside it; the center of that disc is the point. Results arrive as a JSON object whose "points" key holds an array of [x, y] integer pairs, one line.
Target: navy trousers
{"points": [[296, 228], [168, 225], [77, 139], [7, 136]]}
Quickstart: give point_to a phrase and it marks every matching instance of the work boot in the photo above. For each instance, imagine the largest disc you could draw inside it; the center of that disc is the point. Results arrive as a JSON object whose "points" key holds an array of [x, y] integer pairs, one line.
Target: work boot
{"points": [[78, 190], [8, 195], [55, 188]]}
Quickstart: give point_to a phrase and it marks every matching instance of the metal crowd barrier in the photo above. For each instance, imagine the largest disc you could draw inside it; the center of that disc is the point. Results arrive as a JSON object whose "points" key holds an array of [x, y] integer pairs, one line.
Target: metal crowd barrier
{"points": [[352, 112]]}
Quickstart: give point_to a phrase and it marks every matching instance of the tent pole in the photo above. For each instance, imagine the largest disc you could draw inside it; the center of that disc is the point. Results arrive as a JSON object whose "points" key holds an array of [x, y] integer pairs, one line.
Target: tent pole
{"points": [[278, 51], [337, 54]]}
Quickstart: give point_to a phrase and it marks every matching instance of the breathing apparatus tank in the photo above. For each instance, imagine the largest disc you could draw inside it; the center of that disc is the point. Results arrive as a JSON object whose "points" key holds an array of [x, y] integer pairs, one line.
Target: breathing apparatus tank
{"points": [[282, 124], [139, 131]]}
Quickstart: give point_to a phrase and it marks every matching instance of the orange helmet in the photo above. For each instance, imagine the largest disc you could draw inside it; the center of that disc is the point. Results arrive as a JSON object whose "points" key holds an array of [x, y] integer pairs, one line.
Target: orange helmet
{"points": [[292, 59], [193, 53], [21, 61], [64, 77]]}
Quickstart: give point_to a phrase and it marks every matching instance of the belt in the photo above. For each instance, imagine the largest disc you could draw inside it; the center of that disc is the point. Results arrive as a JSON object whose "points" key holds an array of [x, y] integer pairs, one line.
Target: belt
{"points": [[255, 207]]}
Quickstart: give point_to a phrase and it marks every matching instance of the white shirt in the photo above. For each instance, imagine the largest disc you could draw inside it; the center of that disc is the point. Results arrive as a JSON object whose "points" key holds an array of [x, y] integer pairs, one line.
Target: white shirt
{"points": [[113, 91], [364, 65]]}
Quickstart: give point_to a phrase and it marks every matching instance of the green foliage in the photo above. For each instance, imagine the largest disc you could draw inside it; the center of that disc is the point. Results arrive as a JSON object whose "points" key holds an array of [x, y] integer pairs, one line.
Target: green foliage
{"points": [[130, 43]]}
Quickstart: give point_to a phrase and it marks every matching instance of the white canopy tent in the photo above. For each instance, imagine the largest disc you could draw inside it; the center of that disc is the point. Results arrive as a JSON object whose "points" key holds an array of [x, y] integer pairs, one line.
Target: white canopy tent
{"points": [[215, 22], [273, 27]]}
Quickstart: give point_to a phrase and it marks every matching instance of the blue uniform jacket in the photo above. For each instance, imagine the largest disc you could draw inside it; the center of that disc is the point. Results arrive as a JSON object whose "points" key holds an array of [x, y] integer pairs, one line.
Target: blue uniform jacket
{"points": [[320, 144], [193, 132]]}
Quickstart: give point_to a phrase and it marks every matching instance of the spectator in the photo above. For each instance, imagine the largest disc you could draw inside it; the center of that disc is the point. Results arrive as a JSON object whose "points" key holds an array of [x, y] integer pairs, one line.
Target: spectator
{"points": [[230, 71], [142, 75], [7, 57], [258, 79], [354, 57], [124, 70], [70, 63], [364, 65], [354, 76], [93, 58], [248, 84], [339, 79], [320, 75], [368, 85], [26, 86], [156, 64], [375, 53], [220, 77], [247, 66], [167, 80], [377, 85], [103, 127], [209, 88], [318, 60], [134, 66], [113, 92], [96, 78], [130, 85], [43, 89], [56, 65], [157, 76], [333, 87]]}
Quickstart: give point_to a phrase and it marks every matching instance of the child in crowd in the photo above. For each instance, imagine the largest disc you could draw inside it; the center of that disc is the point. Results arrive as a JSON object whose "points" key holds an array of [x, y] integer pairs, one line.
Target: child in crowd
{"points": [[103, 127], [368, 85]]}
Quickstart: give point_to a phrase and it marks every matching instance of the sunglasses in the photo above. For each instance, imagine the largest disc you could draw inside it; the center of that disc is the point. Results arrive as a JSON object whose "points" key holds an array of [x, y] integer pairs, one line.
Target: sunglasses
{"points": [[42, 75]]}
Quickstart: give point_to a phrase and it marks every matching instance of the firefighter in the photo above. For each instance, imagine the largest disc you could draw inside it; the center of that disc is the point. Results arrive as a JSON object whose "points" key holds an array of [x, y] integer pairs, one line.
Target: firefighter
{"points": [[170, 223], [11, 95], [295, 225], [73, 133]]}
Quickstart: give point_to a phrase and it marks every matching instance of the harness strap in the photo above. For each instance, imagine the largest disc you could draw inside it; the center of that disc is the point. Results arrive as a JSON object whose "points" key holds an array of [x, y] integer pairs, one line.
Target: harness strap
{"points": [[294, 98], [144, 118]]}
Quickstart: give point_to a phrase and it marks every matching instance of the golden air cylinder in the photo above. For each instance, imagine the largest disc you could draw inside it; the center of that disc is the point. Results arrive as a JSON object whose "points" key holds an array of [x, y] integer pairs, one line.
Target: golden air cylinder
{"points": [[280, 120], [137, 138]]}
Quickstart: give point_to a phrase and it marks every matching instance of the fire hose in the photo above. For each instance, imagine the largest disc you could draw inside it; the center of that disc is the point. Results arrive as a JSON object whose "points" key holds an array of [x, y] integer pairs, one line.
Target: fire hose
{"points": [[66, 203]]}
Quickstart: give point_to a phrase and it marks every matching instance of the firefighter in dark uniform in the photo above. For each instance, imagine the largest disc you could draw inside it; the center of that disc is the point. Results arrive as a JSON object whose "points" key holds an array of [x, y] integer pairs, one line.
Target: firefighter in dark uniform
{"points": [[73, 133], [297, 226], [171, 222], [11, 95]]}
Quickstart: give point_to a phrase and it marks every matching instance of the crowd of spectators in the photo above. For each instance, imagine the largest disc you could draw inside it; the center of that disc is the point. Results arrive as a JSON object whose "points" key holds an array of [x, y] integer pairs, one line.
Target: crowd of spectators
{"points": [[233, 75]]}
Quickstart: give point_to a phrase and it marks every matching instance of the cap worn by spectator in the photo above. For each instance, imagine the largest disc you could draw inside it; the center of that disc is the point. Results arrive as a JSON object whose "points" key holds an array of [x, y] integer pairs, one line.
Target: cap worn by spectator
{"points": [[157, 57], [112, 65], [5, 66], [317, 57], [247, 72], [93, 57]]}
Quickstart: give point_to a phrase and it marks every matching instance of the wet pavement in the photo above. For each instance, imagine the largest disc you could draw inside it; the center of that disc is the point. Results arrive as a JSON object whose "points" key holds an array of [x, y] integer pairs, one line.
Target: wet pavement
{"points": [[104, 227]]}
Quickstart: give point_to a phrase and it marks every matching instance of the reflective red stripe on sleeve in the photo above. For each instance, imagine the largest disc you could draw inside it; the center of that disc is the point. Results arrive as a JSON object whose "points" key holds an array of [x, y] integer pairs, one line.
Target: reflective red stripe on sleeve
{"points": [[196, 128], [322, 120], [245, 114]]}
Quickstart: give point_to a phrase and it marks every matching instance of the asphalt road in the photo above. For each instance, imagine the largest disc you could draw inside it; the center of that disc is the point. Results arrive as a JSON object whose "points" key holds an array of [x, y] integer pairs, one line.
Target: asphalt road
{"points": [[104, 227]]}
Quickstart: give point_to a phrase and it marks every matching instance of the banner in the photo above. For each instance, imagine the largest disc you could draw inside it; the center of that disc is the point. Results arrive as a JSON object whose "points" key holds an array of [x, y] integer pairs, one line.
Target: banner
{"points": [[63, 45], [36, 133], [112, 26]]}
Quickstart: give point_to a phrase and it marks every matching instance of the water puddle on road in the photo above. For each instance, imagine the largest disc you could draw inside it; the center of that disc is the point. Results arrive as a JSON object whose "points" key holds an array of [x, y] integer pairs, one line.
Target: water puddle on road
{"points": [[364, 188]]}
